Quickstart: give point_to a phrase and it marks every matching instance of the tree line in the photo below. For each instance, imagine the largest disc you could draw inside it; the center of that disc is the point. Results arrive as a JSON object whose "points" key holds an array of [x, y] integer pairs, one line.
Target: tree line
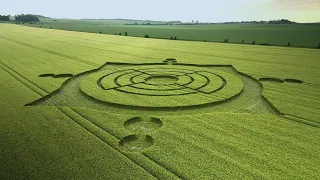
{"points": [[26, 18], [279, 21], [4, 18], [21, 18]]}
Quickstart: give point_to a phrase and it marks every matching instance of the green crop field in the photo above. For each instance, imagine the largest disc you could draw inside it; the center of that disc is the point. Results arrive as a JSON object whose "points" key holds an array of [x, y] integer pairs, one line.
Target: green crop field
{"points": [[77, 105], [298, 35]]}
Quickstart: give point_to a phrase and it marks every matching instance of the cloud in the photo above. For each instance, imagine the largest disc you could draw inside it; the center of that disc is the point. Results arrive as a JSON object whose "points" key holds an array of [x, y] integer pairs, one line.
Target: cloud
{"points": [[202, 10], [296, 4]]}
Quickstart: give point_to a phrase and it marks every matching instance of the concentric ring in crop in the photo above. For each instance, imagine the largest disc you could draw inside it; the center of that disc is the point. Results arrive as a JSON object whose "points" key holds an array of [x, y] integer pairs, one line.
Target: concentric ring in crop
{"points": [[161, 86]]}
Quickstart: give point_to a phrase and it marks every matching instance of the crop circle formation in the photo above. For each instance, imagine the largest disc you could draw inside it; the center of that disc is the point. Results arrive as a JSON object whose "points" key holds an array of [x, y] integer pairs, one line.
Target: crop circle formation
{"points": [[161, 86]]}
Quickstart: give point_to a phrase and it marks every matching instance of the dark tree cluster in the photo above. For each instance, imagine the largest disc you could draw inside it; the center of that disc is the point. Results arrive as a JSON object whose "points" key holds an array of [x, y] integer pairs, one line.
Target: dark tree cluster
{"points": [[4, 18], [280, 21], [120, 34], [27, 18]]}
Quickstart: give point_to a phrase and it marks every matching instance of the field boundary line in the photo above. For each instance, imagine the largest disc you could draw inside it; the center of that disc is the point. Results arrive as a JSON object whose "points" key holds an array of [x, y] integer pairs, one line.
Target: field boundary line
{"points": [[87, 129], [95, 124], [181, 52], [110, 145], [300, 120], [52, 52], [308, 47], [167, 169], [104, 50], [174, 51], [120, 44], [41, 92], [120, 139]]}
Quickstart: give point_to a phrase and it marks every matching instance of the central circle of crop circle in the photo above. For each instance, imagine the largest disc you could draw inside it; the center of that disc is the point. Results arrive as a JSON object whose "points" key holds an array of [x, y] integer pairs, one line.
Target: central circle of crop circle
{"points": [[160, 86], [161, 79]]}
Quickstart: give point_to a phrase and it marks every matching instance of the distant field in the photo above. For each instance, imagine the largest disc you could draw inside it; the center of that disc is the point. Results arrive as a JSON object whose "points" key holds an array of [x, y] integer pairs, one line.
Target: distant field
{"points": [[77, 105], [298, 35]]}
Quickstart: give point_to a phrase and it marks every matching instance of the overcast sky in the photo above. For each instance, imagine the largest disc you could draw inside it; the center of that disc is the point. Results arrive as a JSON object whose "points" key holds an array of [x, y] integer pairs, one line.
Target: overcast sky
{"points": [[184, 10]]}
